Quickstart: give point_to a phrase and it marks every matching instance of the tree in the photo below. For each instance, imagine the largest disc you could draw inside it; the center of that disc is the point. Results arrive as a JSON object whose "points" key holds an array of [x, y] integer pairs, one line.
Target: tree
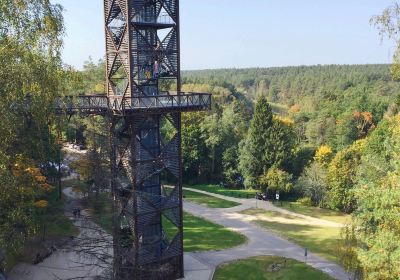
{"points": [[276, 181], [234, 123], [342, 177], [23, 190], [388, 24], [323, 155], [346, 132], [211, 127], [364, 123], [378, 194], [30, 40], [194, 150], [269, 142], [257, 150], [273, 93], [313, 183]]}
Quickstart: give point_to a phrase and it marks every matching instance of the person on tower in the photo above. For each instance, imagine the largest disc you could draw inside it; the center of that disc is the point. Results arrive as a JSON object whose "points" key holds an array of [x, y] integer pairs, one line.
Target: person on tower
{"points": [[155, 70]]}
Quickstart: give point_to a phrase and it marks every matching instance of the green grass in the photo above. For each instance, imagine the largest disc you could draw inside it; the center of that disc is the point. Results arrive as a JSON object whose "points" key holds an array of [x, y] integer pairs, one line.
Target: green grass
{"points": [[223, 191], [202, 235], [321, 240], [272, 214], [199, 234], [257, 269], [324, 241], [209, 201], [316, 212]]}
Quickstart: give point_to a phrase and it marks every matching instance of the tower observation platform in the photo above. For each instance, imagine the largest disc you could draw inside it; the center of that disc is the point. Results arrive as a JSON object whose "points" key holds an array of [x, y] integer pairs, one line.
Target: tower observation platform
{"points": [[143, 103], [126, 106]]}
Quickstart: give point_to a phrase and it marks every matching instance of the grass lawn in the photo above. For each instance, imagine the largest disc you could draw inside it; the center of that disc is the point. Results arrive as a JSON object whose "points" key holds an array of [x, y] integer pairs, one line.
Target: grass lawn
{"points": [[257, 269], [202, 235], [316, 212], [209, 201], [223, 191], [199, 234], [321, 240]]}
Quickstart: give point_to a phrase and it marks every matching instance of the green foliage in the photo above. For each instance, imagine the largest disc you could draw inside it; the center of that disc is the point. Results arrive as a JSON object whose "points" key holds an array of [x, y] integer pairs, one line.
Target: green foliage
{"points": [[194, 150], [269, 142], [37, 24], [342, 177], [388, 25], [30, 41], [302, 157], [325, 96], [313, 183], [306, 201], [378, 193], [256, 151], [276, 181]]}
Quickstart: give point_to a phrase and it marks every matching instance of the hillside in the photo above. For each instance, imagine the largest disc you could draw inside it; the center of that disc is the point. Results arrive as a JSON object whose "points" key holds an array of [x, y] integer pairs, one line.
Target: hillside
{"points": [[321, 99]]}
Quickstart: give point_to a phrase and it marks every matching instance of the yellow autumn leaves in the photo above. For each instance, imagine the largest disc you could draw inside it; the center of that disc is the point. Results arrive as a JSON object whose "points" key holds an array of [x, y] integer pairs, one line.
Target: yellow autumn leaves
{"points": [[31, 181]]}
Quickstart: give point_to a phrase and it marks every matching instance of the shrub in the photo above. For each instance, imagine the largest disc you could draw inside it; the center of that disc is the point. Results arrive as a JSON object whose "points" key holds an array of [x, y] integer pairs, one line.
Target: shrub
{"points": [[313, 183], [306, 201], [276, 180]]}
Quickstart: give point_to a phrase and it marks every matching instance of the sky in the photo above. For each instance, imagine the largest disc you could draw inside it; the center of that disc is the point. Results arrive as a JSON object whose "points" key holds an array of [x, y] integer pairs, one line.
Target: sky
{"points": [[249, 33]]}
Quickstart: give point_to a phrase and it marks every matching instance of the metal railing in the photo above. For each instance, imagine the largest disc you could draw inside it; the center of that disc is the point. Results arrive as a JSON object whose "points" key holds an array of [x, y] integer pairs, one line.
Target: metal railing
{"points": [[101, 104], [148, 18]]}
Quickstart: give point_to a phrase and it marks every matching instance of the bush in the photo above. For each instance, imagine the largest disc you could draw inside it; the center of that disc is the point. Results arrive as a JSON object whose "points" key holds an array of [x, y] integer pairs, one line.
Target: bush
{"points": [[313, 183], [306, 201], [276, 181]]}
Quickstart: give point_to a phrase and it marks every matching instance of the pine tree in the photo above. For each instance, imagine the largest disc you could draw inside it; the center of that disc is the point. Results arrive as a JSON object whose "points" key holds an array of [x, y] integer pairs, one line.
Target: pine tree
{"points": [[256, 149]]}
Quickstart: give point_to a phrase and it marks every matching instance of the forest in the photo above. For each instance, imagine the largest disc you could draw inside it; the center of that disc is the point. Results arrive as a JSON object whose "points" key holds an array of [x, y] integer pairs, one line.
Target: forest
{"points": [[326, 136]]}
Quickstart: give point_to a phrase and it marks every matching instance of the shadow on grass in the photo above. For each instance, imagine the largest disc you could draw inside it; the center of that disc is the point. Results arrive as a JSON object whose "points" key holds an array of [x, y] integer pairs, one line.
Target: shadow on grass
{"points": [[320, 240], [259, 268]]}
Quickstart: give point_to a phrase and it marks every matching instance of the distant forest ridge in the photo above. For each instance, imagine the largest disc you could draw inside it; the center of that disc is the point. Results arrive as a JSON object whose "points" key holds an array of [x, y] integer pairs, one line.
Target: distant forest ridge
{"points": [[373, 67], [246, 77], [350, 87]]}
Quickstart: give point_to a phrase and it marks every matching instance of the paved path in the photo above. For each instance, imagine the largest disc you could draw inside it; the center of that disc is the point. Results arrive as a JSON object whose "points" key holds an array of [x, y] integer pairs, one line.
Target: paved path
{"points": [[260, 241], [266, 205], [71, 262], [86, 257]]}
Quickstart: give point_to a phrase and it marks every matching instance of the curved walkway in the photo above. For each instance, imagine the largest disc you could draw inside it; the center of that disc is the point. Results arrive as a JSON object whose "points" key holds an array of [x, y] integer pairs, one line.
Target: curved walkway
{"points": [[260, 241], [266, 205]]}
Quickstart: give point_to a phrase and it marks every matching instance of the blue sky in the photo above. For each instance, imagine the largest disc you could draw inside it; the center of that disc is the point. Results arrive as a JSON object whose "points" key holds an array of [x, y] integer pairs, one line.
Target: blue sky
{"points": [[250, 33]]}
